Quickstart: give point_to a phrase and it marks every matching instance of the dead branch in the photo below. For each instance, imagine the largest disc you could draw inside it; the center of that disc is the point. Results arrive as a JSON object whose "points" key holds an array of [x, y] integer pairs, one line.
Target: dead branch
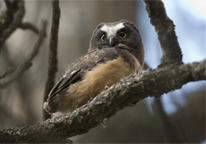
{"points": [[26, 62], [29, 26], [53, 52], [106, 104]]}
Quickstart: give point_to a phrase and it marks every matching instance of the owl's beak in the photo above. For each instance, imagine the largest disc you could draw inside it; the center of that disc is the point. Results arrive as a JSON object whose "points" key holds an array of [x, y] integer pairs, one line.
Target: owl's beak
{"points": [[112, 41]]}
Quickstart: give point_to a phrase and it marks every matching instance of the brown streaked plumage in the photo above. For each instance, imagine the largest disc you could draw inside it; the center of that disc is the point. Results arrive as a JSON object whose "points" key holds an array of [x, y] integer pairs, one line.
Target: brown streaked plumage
{"points": [[116, 50]]}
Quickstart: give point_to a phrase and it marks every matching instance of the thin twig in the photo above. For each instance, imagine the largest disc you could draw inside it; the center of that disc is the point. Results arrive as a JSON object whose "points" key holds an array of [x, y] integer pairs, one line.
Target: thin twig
{"points": [[27, 60], [30, 26], [53, 52], [9, 71]]}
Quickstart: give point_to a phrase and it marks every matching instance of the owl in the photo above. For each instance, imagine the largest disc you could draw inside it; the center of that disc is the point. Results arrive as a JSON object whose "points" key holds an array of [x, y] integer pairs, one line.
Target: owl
{"points": [[115, 51]]}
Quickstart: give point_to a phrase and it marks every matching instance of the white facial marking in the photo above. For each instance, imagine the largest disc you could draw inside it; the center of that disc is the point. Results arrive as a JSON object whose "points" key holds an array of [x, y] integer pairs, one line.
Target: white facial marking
{"points": [[112, 30]]}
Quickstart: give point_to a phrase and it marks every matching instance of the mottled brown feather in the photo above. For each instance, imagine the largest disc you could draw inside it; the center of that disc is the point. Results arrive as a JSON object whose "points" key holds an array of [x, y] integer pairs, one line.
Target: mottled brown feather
{"points": [[106, 71], [93, 83]]}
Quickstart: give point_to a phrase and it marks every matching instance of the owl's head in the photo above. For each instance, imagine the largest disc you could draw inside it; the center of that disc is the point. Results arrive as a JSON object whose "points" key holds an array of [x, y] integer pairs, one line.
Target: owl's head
{"points": [[116, 34], [122, 34]]}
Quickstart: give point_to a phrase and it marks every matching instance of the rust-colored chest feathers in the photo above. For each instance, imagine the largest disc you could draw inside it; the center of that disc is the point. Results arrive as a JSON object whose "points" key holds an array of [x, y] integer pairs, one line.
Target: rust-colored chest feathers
{"points": [[115, 51]]}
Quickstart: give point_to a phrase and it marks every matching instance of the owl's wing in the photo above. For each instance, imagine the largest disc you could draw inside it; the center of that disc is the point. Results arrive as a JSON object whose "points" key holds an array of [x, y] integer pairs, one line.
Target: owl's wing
{"points": [[85, 63]]}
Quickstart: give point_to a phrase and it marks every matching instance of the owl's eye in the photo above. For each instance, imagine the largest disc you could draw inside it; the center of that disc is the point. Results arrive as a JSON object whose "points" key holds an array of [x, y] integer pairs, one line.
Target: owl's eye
{"points": [[121, 34], [103, 37]]}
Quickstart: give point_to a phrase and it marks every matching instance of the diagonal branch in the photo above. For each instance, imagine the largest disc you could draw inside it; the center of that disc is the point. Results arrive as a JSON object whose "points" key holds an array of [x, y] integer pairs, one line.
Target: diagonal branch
{"points": [[26, 62], [9, 71], [165, 31], [30, 26], [130, 90], [53, 52]]}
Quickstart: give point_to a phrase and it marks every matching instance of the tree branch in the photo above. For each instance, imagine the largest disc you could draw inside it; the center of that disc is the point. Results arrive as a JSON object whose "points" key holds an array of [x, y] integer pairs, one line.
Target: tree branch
{"points": [[52, 53], [13, 23], [13, 20], [7, 17], [30, 26], [170, 75], [165, 31], [128, 91], [26, 62], [9, 71]]}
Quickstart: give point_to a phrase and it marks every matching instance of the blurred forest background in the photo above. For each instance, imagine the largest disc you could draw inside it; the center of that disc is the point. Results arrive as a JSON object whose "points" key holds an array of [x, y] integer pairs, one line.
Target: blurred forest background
{"points": [[178, 115]]}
